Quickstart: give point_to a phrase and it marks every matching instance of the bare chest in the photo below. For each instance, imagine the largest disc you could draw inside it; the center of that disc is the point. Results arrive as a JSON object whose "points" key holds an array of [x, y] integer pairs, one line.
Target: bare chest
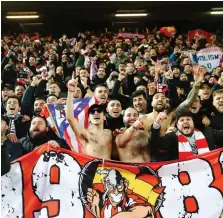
{"points": [[164, 126], [98, 144]]}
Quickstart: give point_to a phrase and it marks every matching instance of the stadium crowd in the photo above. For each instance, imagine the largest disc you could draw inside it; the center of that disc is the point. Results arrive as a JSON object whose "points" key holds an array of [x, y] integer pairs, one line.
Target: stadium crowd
{"points": [[154, 101]]}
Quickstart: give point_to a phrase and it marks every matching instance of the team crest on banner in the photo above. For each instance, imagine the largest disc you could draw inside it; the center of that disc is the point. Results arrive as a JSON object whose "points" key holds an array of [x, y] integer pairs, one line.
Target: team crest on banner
{"points": [[106, 191], [51, 182]]}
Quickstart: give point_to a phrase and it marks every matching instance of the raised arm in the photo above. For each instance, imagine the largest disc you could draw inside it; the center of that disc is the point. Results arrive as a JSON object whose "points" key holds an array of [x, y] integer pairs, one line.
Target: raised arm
{"points": [[158, 142], [122, 139], [75, 125], [184, 106]]}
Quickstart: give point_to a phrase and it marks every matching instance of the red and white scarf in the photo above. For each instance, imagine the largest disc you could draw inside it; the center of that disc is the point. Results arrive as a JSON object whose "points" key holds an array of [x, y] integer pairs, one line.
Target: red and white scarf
{"points": [[184, 146]]}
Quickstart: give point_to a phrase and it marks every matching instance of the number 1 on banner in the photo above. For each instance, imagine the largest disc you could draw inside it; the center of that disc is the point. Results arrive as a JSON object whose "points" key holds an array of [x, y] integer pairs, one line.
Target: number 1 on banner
{"points": [[55, 183]]}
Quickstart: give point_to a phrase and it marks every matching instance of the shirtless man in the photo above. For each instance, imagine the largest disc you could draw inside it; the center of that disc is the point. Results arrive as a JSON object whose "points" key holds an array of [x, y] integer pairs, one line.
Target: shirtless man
{"points": [[96, 141], [159, 104], [132, 145]]}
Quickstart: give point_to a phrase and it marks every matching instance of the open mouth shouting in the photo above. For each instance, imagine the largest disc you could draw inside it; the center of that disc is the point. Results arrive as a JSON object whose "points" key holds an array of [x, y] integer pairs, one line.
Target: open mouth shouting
{"points": [[115, 113], [160, 104], [194, 109], [186, 128], [206, 94], [103, 98]]}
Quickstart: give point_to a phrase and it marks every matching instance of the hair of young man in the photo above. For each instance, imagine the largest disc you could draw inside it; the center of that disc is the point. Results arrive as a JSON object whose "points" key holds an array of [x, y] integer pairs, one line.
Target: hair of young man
{"points": [[101, 85], [118, 48], [14, 97], [83, 68], [19, 84], [52, 95], [138, 93], [40, 98], [42, 117], [32, 56], [159, 93], [55, 83], [218, 91]]}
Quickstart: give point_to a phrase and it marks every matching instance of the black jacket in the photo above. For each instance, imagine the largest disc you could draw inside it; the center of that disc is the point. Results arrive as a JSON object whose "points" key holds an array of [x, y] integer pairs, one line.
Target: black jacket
{"points": [[197, 118], [169, 142], [207, 106], [113, 123], [5, 161], [97, 81], [216, 119], [29, 144], [28, 100], [176, 100], [125, 101], [21, 128]]}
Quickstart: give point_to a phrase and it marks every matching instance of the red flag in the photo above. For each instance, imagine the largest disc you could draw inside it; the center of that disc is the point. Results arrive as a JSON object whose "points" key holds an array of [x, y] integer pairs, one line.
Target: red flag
{"points": [[198, 32], [168, 31]]}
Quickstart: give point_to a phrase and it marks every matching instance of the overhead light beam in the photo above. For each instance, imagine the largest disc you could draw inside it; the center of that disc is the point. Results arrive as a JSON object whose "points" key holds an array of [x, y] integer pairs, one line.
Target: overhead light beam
{"points": [[216, 12], [131, 15], [23, 17]]}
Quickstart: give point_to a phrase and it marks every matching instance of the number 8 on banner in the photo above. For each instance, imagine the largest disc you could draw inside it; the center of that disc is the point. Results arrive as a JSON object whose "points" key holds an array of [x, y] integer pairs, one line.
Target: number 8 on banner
{"points": [[188, 193], [55, 183]]}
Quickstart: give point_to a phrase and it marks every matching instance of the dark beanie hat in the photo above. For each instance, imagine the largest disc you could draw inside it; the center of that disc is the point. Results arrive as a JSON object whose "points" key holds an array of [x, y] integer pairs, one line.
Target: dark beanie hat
{"points": [[183, 114]]}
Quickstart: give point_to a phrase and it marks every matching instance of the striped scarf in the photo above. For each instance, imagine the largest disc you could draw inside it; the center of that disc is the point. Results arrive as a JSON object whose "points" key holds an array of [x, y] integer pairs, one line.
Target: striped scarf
{"points": [[186, 149]]}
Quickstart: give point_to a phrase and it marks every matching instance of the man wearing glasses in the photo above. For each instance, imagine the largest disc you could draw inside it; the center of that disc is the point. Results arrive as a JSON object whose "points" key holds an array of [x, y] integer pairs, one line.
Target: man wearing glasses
{"points": [[96, 140]]}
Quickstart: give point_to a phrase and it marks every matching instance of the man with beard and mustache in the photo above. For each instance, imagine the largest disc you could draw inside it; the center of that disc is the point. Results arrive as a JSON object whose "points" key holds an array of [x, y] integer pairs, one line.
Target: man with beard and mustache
{"points": [[101, 93], [38, 135], [38, 105], [132, 144], [186, 141], [100, 77], [216, 117], [159, 104], [19, 90], [96, 141], [114, 119]]}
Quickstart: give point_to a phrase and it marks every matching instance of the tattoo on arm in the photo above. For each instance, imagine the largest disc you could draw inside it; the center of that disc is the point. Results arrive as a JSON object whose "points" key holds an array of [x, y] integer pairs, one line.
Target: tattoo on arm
{"points": [[184, 106]]}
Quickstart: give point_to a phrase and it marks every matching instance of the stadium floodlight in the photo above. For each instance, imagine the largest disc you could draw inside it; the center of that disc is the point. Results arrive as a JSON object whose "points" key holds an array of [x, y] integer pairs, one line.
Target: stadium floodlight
{"points": [[22, 17], [131, 15], [216, 12]]}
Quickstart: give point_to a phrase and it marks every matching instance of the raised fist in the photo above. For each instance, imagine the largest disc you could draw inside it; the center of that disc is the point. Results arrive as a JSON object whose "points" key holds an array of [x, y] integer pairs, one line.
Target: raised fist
{"points": [[160, 118], [122, 75], [137, 124], [93, 196], [72, 84]]}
